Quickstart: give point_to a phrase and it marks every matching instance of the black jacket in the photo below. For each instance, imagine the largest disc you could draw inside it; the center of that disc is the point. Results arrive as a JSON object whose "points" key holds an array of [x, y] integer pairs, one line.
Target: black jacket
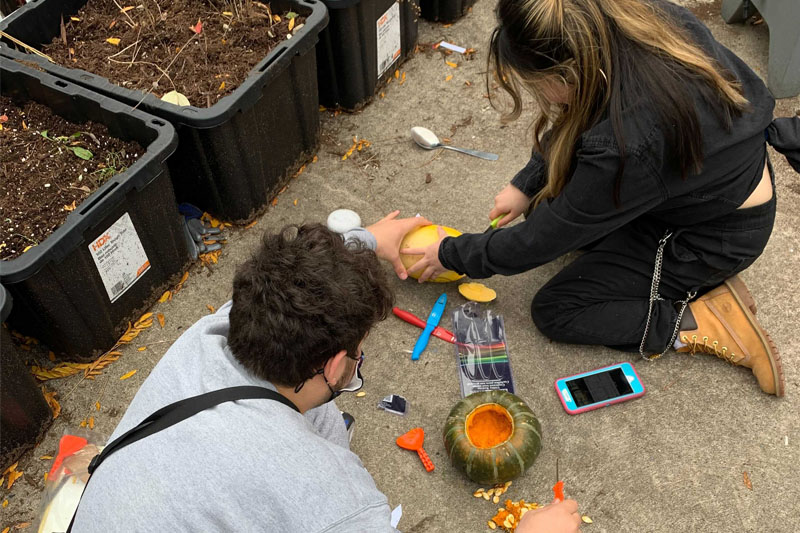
{"points": [[651, 185]]}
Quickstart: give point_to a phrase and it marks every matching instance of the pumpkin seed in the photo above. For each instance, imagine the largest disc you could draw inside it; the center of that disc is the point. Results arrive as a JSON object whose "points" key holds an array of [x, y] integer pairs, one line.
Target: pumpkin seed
{"points": [[491, 525], [507, 484], [510, 518], [478, 493], [490, 492], [486, 496], [523, 511], [507, 524], [587, 520], [496, 499]]}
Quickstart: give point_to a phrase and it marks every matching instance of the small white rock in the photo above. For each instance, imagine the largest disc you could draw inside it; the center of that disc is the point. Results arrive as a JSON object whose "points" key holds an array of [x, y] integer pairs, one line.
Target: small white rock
{"points": [[343, 220]]}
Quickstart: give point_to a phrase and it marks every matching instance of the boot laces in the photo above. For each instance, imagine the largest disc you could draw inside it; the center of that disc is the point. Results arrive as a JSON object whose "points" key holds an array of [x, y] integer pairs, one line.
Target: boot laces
{"points": [[713, 348]]}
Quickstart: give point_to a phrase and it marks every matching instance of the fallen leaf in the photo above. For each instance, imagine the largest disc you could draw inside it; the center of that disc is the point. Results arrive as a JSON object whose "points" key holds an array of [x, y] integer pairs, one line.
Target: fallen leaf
{"points": [[6, 530], [50, 398], [24, 126], [174, 97], [276, 18], [451, 64], [127, 375], [83, 423], [747, 482], [141, 348], [197, 28], [59, 371], [113, 23], [25, 525], [13, 475], [161, 320], [250, 225], [209, 306], [126, 9], [291, 23], [165, 297], [46, 457], [446, 25], [5, 504], [91, 422], [70, 207], [315, 159], [274, 201], [295, 201], [383, 94], [397, 74], [448, 78], [227, 14], [3, 119], [113, 40], [222, 86], [74, 19], [587, 520], [97, 405], [51, 356]]}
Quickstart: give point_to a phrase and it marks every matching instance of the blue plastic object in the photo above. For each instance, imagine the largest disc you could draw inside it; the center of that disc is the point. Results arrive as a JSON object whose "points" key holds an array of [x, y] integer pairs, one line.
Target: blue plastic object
{"points": [[430, 325]]}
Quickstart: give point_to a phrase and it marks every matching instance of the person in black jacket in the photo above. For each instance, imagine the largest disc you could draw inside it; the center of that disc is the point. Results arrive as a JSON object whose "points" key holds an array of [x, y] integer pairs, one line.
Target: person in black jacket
{"points": [[651, 143]]}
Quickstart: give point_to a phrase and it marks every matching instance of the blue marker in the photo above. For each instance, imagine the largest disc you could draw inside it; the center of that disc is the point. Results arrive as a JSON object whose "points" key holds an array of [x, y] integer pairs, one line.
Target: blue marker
{"points": [[433, 321]]}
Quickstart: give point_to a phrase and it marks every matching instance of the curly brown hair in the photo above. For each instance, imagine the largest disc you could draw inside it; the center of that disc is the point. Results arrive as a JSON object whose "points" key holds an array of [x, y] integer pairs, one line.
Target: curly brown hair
{"points": [[300, 299]]}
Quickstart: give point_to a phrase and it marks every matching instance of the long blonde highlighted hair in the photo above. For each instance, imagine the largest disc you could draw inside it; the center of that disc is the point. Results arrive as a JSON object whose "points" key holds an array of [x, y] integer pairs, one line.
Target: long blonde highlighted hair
{"points": [[610, 54]]}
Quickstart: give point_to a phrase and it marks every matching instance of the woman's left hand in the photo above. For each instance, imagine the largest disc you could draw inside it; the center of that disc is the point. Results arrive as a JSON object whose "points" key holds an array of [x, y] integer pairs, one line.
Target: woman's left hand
{"points": [[429, 264]]}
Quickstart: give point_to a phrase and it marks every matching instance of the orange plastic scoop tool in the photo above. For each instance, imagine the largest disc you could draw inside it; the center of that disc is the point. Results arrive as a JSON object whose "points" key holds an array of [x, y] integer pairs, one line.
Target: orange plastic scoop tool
{"points": [[413, 441]]}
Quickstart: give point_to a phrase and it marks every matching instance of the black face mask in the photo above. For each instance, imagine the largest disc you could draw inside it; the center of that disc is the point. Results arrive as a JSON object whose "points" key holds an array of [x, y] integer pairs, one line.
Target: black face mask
{"points": [[355, 384]]}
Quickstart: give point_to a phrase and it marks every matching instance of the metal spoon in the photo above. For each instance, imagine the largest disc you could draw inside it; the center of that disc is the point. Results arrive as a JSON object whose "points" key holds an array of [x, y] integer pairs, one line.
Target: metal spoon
{"points": [[428, 140]]}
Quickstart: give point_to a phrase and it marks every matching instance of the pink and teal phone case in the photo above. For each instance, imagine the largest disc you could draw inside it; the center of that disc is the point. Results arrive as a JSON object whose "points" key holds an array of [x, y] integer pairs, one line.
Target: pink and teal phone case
{"points": [[599, 388]]}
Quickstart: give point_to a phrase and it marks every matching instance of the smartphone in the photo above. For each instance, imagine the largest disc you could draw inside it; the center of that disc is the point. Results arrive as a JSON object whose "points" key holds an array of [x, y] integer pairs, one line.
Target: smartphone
{"points": [[599, 388]]}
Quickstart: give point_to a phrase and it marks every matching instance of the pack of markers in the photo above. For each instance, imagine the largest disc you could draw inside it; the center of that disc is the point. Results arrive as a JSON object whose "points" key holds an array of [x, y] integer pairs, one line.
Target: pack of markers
{"points": [[481, 350]]}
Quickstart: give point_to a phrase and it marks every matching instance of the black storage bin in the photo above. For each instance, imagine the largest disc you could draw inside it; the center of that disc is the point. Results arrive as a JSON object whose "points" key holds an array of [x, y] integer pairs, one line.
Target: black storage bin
{"points": [[59, 294], [234, 156], [24, 415], [444, 10], [362, 46]]}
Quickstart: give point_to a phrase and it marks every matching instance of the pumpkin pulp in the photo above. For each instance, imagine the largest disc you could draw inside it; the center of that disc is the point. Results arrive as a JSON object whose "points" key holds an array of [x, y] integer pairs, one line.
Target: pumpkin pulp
{"points": [[489, 425]]}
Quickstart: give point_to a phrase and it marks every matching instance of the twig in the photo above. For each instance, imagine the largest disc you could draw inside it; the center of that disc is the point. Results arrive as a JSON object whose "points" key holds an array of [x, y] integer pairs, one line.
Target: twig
{"points": [[123, 50], [125, 13], [25, 46], [165, 71]]}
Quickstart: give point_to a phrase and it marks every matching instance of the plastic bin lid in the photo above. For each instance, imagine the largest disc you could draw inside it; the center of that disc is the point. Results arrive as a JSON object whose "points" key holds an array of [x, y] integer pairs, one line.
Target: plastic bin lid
{"points": [[5, 303]]}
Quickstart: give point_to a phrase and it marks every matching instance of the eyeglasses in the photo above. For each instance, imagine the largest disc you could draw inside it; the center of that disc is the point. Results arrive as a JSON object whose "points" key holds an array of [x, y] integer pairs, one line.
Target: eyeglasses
{"points": [[355, 384]]}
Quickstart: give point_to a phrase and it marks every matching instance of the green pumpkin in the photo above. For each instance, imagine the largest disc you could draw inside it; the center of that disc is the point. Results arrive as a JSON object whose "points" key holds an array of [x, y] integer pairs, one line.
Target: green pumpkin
{"points": [[492, 437]]}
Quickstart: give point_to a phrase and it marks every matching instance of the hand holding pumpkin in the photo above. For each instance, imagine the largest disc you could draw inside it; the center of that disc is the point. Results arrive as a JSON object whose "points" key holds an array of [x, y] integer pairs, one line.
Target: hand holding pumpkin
{"points": [[558, 517], [429, 266], [389, 232]]}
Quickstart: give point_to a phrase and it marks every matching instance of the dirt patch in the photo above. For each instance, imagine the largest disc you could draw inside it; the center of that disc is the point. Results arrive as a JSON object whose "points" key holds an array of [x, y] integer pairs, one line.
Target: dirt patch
{"points": [[48, 166], [707, 10], [201, 49]]}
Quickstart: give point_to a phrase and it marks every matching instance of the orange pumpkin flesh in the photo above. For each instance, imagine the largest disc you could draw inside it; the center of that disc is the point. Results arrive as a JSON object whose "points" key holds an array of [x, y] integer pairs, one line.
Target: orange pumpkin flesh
{"points": [[489, 425]]}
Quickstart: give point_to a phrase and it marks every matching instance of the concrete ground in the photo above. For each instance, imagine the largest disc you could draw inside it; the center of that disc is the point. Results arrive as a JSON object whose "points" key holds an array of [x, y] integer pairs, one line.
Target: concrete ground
{"points": [[674, 460]]}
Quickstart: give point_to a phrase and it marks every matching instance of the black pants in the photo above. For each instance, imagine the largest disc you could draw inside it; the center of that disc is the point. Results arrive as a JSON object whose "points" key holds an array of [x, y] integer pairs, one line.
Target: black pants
{"points": [[602, 297]]}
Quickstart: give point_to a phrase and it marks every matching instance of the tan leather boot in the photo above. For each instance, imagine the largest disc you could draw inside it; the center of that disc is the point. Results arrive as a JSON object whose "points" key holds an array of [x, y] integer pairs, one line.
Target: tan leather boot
{"points": [[722, 322]]}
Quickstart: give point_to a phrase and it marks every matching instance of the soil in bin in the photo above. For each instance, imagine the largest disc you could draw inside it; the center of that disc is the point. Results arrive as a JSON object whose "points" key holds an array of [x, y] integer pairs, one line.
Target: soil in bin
{"points": [[203, 49], [43, 179]]}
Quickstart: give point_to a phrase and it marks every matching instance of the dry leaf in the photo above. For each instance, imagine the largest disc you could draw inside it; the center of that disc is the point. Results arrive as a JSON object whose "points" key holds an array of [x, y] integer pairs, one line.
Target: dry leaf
{"points": [[5, 503], [396, 74], [24, 126], [295, 201], [276, 18], [113, 23], [13, 475], [587, 520], [46, 457], [97, 405], [50, 398], [451, 64], [291, 23], [70, 207], [165, 297], [51, 356], [141, 348], [274, 201], [91, 422], [747, 482], [197, 28], [227, 14], [174, 97], [127, 375], [95, 368], [315, 159], [211, 307], [448, 78], [25, 525], [161, 320], [6, 530], [83, 423], [222, 85], [113, 40], [125, 9], [74, 19], [59, 371]]}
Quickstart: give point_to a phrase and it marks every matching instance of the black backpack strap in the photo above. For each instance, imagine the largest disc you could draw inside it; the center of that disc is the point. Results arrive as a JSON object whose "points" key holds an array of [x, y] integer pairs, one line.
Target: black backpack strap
{"points": [[179, 411]]}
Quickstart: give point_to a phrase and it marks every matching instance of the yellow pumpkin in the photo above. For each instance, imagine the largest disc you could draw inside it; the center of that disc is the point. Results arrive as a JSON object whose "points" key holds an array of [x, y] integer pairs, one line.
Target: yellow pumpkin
{"points": [[420, 238]]}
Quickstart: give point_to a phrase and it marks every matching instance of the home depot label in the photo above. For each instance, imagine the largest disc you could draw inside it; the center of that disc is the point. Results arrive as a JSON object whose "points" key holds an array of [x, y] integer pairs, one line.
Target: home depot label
{"points": [[388, 38], [119, 257]]}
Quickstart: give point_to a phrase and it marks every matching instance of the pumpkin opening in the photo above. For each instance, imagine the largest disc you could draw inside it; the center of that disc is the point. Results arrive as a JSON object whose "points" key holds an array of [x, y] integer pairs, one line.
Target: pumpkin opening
{"points": [[489, 425]]}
